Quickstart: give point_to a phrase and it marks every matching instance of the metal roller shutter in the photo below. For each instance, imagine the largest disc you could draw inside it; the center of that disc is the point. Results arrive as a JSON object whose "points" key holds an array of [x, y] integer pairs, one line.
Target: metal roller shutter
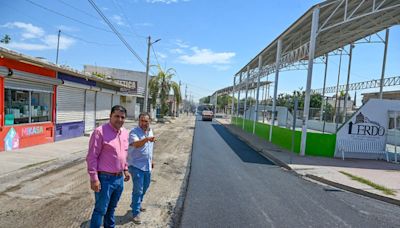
{"points": [[116, 99], [103, 105], [70, 104], [90, 118]]}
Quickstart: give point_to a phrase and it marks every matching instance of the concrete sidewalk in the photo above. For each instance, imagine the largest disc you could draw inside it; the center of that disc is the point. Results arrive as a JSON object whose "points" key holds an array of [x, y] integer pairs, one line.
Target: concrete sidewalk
{"points": [[25, 164], [328, 170], [28, 163]]}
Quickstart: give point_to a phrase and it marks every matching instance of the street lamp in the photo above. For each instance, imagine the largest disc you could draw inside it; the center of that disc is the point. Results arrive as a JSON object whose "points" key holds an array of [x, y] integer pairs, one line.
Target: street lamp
{"points": [[146, 88]]}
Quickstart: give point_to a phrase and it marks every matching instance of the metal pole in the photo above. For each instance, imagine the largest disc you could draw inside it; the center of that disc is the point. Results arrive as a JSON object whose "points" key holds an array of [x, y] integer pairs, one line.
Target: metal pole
{"points": [[240, 88], [323, 126], [347, 83], [296, 105], [216, 102], [245, 99], [277, 63], [233, 96], [384, 64], [58, 45], [266, 96], [313, 39], [395, 135], [323, 88], [146, 92], [263, 96], [337, 88], [258, 91]]}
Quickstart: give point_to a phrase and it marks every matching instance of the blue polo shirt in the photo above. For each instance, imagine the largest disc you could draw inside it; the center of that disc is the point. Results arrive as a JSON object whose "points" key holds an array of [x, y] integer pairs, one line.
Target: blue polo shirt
{"points": [[140, 157]]}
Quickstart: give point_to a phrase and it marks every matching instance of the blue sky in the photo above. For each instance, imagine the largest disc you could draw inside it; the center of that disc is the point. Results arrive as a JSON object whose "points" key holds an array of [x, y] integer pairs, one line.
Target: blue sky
{"points": [[206, 41]]}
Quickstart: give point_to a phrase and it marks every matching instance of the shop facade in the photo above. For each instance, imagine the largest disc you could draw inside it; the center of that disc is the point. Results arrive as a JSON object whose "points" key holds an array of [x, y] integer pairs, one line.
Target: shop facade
{"points": [[27, 104], [71, 106]]}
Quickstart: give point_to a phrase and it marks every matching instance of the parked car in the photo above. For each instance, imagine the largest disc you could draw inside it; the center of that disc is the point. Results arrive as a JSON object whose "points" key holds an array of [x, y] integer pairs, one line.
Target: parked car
{"points": [[207, 115]]}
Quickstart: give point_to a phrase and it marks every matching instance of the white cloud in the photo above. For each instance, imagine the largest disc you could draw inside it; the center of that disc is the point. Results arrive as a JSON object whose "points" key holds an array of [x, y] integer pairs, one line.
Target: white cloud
{"points": [[29, 31], [51, 42], [38, 40], [176, 51], [144, 24], [206, 56], [181, 44], [118, 20], [161, 55], [25, 46], [67, 28]]}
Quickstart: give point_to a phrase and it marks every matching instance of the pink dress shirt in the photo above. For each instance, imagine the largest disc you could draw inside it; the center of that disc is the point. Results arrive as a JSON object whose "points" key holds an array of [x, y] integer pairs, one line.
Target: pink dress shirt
{"points": [[108, 150]]}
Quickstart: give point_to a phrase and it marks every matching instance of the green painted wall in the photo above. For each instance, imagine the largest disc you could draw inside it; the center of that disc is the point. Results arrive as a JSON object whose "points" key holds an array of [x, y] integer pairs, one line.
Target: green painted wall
{"points": [[317, 144]]}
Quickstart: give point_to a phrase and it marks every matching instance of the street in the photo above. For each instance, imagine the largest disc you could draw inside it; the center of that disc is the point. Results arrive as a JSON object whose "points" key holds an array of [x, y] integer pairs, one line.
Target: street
{"points": [[231, 185], [228, 185], [62, 197]]}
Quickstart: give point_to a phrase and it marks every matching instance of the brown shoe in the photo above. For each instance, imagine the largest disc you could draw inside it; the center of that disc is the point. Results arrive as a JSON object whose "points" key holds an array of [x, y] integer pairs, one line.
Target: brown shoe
{"points": [[142, 209], [137, 220]]}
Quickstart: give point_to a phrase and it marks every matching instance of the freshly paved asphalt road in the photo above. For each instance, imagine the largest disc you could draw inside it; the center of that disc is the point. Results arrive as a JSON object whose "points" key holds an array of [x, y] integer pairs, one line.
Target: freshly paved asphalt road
{"points": [[231, 185]]}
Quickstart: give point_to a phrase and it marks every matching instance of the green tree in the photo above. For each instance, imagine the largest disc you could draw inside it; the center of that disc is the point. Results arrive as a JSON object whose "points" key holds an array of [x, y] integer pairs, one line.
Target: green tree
{"points": [[204, 100], [6, 39], [225, 100], [160, 87]]}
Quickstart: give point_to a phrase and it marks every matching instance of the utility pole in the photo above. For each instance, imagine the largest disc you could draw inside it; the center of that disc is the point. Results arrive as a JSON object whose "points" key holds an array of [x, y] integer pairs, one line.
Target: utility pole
{"points": [[146, 93], [146, 88], [58, 45], [180, 94], [186, 101]]}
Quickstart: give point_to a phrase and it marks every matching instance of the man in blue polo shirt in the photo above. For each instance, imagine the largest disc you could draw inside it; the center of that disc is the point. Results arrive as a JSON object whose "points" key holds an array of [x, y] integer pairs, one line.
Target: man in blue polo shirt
{"points": [[140, 162]]}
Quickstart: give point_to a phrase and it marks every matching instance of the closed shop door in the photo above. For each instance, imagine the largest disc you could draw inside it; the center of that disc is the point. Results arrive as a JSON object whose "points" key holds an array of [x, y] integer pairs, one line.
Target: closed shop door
{"points": [[103, 105], [90, 118], [70, 104], [116, 99]]}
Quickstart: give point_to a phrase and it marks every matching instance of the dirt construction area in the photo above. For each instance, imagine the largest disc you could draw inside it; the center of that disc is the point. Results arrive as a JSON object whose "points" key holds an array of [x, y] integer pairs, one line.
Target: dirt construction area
{"points": [[62, 197]]}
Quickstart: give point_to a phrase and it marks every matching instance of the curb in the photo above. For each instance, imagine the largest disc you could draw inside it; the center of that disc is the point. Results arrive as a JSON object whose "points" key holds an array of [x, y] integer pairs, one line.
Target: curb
{"points": [[282, 164], [354, 190]]}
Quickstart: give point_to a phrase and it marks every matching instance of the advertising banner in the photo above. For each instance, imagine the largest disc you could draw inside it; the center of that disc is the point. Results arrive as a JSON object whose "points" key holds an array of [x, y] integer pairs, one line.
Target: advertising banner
{"points": [[366, 130]]}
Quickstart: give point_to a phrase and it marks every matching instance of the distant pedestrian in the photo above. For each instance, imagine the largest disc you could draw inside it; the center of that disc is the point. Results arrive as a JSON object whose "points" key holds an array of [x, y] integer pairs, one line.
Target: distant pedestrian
{"points": [[140, 161], [107, 166]]}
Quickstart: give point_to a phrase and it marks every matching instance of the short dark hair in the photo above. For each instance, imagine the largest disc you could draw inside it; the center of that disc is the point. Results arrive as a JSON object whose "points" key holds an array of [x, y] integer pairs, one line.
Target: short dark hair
{"points": [[118, 108], [144, 114]]}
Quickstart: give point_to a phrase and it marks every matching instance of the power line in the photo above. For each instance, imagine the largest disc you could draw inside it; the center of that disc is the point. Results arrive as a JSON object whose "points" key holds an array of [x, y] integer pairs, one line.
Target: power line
{"points": [[87, 41], [117, 33], [155, 55], [77, 9], [66, 34], [127, 19], [71, 18]]}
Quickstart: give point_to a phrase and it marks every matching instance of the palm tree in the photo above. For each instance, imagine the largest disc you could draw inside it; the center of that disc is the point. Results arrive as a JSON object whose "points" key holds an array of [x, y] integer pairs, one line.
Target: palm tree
{"points": [[160, 86], [6, 39]]}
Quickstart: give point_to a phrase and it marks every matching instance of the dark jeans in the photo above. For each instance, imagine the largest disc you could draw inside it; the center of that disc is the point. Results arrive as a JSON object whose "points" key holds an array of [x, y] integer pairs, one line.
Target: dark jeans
{"points": [[141, 182], [107, 200]]}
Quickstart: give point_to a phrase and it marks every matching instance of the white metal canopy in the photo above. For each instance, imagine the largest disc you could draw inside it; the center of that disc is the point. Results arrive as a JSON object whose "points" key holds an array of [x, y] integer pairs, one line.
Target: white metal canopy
{"points": [[341, 22], [324, 28]]}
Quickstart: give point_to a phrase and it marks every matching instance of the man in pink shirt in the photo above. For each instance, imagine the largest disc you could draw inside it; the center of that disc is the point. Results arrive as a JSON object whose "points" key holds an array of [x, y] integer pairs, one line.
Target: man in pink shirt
{"points": [[107, 166]]}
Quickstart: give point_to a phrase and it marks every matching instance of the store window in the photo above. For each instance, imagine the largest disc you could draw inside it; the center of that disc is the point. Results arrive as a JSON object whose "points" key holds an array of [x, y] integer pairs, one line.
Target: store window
{"points": [[23, 106]]}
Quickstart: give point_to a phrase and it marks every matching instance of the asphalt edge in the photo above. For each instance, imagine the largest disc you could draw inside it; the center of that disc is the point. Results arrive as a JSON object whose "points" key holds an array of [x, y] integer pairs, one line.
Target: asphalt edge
{"points": [[261, 151], [176, 218], [354, 190], [282, 164]]}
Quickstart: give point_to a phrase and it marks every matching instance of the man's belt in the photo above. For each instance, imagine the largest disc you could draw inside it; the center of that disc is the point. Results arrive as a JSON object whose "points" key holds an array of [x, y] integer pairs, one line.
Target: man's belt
{"points": [[110, 174]]}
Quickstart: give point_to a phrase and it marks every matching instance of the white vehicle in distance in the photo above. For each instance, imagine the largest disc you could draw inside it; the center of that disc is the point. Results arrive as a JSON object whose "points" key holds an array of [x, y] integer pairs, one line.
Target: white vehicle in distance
{"points": [[207, 115], [206, 111]]}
